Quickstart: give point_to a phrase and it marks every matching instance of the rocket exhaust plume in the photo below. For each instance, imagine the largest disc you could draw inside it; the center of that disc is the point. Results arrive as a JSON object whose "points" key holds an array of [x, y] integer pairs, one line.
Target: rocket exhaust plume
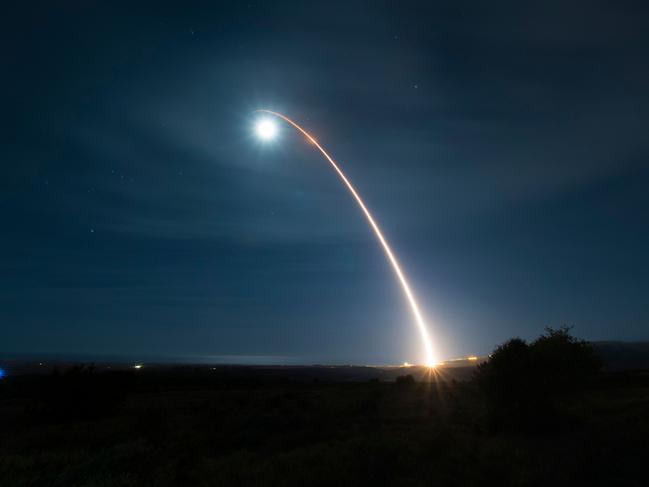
{"points": [[421, 325]]}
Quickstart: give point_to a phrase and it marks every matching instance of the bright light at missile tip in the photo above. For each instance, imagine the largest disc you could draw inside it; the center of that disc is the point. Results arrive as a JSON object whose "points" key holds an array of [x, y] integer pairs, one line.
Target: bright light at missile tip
{"points": [[266, 129]]}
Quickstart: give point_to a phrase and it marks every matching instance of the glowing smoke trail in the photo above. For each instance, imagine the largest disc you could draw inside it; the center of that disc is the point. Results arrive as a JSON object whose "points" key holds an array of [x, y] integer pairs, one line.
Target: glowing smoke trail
{"points": [[430, 359]]}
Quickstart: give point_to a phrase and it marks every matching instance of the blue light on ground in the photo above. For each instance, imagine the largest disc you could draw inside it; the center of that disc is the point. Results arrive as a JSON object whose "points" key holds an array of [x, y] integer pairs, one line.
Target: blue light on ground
{"points": [[2, 373]]}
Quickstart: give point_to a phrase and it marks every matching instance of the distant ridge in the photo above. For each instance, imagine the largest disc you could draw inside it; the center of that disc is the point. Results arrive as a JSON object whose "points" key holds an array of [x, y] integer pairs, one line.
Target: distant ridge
{"points": [[619, 355]]}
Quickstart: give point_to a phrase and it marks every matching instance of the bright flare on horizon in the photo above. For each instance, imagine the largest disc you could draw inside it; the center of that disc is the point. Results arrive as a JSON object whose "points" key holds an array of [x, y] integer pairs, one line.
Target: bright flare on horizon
{"points": [[267, 130]]}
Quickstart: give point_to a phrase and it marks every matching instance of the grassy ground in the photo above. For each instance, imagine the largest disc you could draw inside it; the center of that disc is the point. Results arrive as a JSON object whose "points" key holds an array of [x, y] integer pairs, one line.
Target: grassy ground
{"points": [[160, 431]]}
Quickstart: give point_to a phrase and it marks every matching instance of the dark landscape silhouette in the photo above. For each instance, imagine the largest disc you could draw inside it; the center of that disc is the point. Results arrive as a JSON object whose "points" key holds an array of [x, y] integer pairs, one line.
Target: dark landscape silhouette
{"points": [[548, 412]]}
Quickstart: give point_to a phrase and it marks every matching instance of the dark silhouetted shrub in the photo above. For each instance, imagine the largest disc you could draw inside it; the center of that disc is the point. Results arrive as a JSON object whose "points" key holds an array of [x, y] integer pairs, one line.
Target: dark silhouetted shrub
{"points": [[562, 362], [521, 382]]}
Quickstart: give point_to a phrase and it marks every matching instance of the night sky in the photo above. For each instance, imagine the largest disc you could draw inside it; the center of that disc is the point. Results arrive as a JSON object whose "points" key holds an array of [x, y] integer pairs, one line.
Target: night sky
{"points": [[503, 148]]}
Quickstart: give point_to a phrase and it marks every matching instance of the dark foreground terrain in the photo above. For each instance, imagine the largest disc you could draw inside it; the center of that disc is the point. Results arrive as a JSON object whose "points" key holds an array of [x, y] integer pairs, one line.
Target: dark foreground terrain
{"points": [[203, 426]]}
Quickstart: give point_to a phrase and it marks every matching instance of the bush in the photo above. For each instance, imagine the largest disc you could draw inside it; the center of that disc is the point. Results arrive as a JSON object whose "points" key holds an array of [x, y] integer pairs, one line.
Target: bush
{"points": [[521, 382], [562, 362]]}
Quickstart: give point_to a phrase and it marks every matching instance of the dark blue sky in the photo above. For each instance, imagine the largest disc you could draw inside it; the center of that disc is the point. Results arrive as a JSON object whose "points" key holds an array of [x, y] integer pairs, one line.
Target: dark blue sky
{"points": [[503, 148]]}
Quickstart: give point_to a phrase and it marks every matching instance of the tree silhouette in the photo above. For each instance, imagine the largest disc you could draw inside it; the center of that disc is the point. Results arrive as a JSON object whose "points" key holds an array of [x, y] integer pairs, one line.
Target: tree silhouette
{"points": [[521, 382]]}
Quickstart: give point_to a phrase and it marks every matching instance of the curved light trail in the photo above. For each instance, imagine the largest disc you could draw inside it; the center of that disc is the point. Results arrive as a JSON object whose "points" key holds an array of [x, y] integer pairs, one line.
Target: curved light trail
{"points": [[423, 330]]}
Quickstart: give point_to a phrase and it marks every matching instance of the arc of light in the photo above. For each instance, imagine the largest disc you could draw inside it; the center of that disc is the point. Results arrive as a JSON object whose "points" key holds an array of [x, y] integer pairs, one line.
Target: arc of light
{"points": [[421, 325]]}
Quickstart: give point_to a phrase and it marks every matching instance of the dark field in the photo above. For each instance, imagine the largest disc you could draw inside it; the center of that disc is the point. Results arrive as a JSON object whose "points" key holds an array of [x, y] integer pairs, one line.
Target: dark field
{"points": [[231, 426]]}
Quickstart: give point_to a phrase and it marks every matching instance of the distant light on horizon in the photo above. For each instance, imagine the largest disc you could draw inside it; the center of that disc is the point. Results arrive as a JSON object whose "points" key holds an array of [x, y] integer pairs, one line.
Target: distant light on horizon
{"points": [[472, 358], [137, 366]]}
